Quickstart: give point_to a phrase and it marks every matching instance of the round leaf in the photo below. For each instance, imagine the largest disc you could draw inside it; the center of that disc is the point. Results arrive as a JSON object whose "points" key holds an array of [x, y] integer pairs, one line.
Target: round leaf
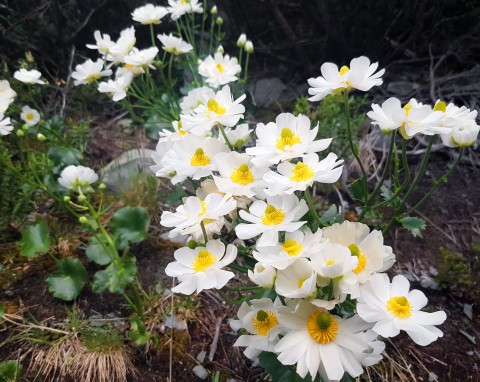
{"points": [[130, 225], [35, 239], [68, 279], [99, 251]]}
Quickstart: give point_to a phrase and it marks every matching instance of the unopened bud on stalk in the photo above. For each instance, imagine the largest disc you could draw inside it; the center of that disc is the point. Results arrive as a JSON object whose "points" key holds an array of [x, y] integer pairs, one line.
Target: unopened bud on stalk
{"points": [[20, 133], [66, 198], [214, 10], [102, 187], [41, 137], [249, 47], [82, 220], [82, 198], [90, 190], [219, 20], [220, 49], [25, 127], [242, 40]]}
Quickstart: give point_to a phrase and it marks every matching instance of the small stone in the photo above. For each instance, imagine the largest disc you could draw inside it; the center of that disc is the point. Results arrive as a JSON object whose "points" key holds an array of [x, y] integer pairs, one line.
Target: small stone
{"points": [[468, 310], [174, 323], [432, 377], [8, 293], [200, 372], [201, 356], [469, 337]]}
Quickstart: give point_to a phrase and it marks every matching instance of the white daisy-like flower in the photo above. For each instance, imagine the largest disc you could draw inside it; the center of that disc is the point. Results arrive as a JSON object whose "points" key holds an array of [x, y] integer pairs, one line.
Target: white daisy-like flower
{"points": [[201, 268], [413, 118], [393, 307], [176, 135], [28, 76], [462, 122], [191, 157], [149, 14], [260, 319], [298, 280], [30, 116], [297, 177], [238, 136], [5, 125], [195, 98], [360, 75], [122, 46], [174, 45], [287, 138], [7, 94], [220, 109], [103, 43], [367, 246], [117, 87], [219, 69], [142, 57], [188, 216], [263, 275], [89, 72], [320, 343], [238, 176], [75, 177], [296, 245], [178, 8], [277, 214]]}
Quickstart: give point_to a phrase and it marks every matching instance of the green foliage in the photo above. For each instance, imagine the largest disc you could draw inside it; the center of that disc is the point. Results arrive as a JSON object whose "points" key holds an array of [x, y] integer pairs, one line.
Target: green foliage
{"points": [[358, 190], [455, 270], [176, 195], [102, 339], [116, 276], [331, 216], [99, 251], [35, 239], [10, 371], [130, 225], [413, 224], [68, 279], [2, 312], [280, 372], [138, 332]]}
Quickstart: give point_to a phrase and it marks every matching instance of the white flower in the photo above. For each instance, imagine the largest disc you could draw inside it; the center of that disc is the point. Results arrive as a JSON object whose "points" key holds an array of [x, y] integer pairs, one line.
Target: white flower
{"points": [[298, 280], [142, 57], [178, 8], [238, 136], [279, 213], [122, 46], [320, 343], [103, 43], [149, 14], [393, 307], [74, 177], [249, 47], [296, 245], [367, 246], [7, 95], [174, 45], [219, 69], [238, 176], [413, 118], [117, 87], [195, 98], [177, 134], [188, 216], [242, 39], [260, 319], [191, 157], [28, 76], [461, 121], [360, 75], [287, 138], [89, 72], [5, 125], [30, 116], [201, 268], [220, 109], [263, 275], [299, 176]]}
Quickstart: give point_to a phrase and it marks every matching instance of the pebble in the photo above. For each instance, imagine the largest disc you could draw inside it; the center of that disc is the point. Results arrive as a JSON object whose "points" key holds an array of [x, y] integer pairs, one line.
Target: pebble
{"points": [[200, 372]]}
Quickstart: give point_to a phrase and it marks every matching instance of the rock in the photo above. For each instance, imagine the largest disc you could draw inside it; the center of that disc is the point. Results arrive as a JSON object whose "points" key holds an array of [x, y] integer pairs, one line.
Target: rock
{"points": [[468, 310], [266, 91], [174, 323], [200, 372], [201, 356]]}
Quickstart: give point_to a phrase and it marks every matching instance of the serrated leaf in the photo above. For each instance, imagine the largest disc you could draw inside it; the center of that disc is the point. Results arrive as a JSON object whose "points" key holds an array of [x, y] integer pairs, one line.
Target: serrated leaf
{"points": [[35, 239], [386, 193], [68, 279], [138, 333], [331, 216], [130, 224], [10, 371], [99, 251], [414, 225], [116, 276], [358, 190], [175, 195]]}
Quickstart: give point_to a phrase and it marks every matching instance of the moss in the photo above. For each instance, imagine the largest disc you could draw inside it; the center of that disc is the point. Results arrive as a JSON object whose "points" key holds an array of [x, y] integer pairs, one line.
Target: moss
{"points": [[102, 339], [455, 271]]}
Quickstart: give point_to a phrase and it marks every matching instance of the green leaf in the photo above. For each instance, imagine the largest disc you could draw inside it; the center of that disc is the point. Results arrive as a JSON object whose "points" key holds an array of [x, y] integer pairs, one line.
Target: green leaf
{"points": [[63, 157], [10, 371], [138, 333], [331, 216], [68, 279], [357, 190], [35, 239], [176, 195], [130, 224], [55, 125], [414, 225], [278, 371], [2, 312], [116, 276], [99, 251]]}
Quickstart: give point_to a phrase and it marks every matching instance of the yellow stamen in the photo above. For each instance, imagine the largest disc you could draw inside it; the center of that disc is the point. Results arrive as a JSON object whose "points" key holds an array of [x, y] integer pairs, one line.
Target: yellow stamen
{"points": [[204, 207], [273, 216], [29, 116], [300, 283], [203, 260], [400, 307], [302, 172], [440, 106], [264, 321], [330, 262], [242, 175], [92, 77], [322, 327], [215, 107], [200, 158], [287, 138], [407, 109], [179, 128], [344, 69], [362, 259], [292, 247], [220, 68], [129, 66]]}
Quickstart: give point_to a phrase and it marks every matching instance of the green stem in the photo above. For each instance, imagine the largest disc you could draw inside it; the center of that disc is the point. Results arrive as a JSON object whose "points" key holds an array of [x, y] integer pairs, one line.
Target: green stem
{"points": [[246, 67], [311, 207], [222, 130], [152, 35], [237, 267], [204, 231], [204, 18]]}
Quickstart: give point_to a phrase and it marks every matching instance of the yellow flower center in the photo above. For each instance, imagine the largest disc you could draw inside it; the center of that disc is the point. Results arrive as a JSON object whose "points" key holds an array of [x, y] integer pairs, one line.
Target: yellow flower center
{"points": [[407, 109], [362, 259], [203, 260], [400, 307], [440, 106], [129, 66], [29, 116], [344, 70], [264, 321], [220, 68], [287, 138], [179, 128], [300, 283], [322, 327], [215, 107], [200, 158], [204, 207], [292, 247], [302, 172], [92, 77], [330, 263], [273, 216], [242, 175]]}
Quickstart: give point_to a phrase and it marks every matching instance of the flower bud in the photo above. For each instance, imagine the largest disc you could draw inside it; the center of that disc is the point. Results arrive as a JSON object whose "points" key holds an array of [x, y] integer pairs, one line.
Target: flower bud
{"points": [[220, 49], [242, 40], [214, 10], [102, 186], [263, 275], [25, 127], [20, 133], [82, 198], [219, 21], [82, 220], [249, 47], [90, 190], [41, 137], [66, 198]]}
